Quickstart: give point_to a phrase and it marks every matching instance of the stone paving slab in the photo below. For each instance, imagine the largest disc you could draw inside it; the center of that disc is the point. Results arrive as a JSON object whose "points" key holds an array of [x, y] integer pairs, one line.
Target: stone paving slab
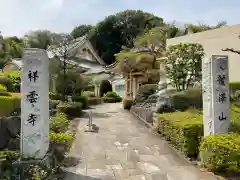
{"points": [[124, 149]]}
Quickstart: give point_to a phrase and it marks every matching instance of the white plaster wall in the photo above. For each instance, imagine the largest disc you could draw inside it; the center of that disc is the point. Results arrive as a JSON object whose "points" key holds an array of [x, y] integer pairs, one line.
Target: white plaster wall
{"points": [[213, 42]]}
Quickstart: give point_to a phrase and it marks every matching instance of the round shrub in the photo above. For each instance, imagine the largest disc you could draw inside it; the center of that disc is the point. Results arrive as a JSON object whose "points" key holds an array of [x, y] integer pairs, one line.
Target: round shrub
{"points": [[127, 103], [59, 123], [118, 99], [81, 99], [3, 88], [112, 97], [88, 94], [221, 153], [109, 99], [191, 98], [14, 81], [55, 96], [94, 101], [144, 92], [111, 94], [2, 93], [4, 80], [73, 109]]}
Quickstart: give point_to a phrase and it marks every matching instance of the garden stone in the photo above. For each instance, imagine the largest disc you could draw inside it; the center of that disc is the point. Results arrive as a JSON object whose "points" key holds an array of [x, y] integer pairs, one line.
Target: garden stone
{"points": [[13, 125]]}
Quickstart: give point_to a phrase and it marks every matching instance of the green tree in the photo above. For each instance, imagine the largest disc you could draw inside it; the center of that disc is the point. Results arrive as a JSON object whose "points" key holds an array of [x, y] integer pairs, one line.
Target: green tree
{"points": [[12, 47], [120, 30], [68, 74], [204, 27], [183, 64], [154, 41], [81, 30], [41, 39]]}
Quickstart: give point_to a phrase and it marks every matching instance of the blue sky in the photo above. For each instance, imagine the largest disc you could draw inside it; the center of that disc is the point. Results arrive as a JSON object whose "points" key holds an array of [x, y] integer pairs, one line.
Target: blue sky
{"points": [[20, 16]]}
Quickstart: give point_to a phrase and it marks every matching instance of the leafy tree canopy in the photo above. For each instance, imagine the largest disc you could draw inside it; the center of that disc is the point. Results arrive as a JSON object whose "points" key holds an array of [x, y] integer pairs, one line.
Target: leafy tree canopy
{"points": [[204, 27], [11, 47], [120, 30], [81, 30], [183, 64], [41, 39]]}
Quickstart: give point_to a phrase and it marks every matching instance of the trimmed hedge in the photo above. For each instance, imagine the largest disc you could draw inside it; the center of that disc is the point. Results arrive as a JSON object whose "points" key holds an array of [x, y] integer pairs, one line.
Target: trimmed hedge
{"points": [[109, 100], [8, 104], [14, 82], [92, 101], [3, 79], [88, 94], [55, 96], [3, 88], [81, 99], [127, 103], [221, 153], [111, 97], [73, 109], [64, 139], [59, 123], [234, 86], [191, 98], [183, 129]]}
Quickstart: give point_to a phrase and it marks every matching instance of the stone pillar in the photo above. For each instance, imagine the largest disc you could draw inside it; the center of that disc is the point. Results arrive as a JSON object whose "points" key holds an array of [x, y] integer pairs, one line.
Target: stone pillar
{"points": [[215, 87], [34, 104]]}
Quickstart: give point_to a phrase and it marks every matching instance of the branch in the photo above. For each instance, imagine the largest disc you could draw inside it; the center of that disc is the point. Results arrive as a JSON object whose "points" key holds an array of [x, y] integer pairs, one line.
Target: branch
{"points": [[231, 50]]}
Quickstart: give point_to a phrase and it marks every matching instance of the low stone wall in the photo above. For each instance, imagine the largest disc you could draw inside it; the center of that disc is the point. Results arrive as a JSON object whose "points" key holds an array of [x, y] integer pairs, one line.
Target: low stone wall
{"points": [[144, 114]]}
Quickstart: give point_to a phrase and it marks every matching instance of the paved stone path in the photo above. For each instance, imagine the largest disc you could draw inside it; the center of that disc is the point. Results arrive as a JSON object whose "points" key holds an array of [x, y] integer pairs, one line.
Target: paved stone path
{"points": [[124, 149]]}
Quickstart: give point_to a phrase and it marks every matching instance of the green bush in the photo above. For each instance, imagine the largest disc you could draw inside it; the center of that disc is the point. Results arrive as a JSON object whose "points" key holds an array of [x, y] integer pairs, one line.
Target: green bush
{"points": [[59, 123], [88, 94], [234, 86], [64, 139], [3, 88], [221, 153], [55, 96], [191, 98], [2, 93], [111, 97], [144, 92], [73, 109], [111, 94], [14, 83], [109, 100], [118, 99], [183, 129], [8, 104], [92, 101], [3, 79], [81, 99], [127, 103]]}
